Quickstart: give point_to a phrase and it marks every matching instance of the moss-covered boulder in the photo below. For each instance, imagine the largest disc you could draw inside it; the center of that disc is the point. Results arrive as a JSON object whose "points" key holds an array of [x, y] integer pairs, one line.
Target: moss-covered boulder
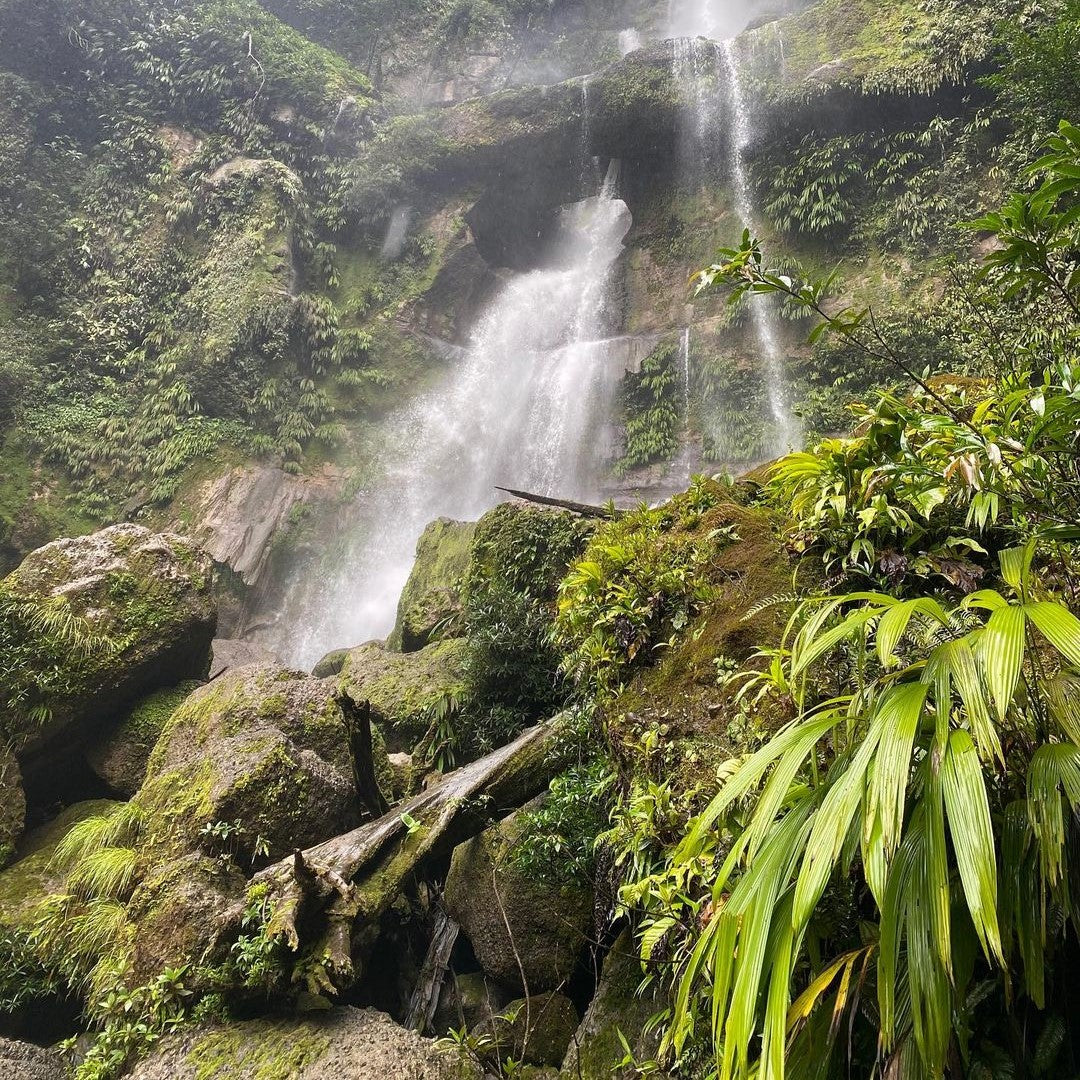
{"points": [[263, 747], [330, 664], [120, 755], [12, 804], [182, 911], [32, 877], [144, 605], [616, 1007], [361, 1044], [485, 891], [432, 599], [536, 1030], [403, 688]]}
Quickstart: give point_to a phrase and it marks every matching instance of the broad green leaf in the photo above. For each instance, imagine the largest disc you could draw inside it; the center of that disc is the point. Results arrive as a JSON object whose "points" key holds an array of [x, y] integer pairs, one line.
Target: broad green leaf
{"points": [[968, 812], [1001, 650], [1059, 626]]}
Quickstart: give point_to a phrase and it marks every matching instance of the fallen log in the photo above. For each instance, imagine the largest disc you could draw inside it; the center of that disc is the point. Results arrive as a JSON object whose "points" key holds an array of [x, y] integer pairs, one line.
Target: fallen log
{"points": [[327, 899], [584, 509]]}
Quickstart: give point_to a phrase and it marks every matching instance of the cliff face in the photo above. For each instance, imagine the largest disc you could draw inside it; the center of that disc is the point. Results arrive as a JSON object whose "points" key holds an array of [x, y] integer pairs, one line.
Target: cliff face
{"points": [[238, 235]]}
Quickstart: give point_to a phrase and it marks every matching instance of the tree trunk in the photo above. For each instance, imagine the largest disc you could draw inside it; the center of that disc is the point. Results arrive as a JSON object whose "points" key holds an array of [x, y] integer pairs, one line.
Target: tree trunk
{"points": [[584, 509], [332, 895]]}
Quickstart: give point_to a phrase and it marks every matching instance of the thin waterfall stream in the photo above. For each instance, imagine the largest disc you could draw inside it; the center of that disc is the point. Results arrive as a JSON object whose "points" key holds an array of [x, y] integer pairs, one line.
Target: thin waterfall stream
{"points": [[718, 127], [520, 406]]}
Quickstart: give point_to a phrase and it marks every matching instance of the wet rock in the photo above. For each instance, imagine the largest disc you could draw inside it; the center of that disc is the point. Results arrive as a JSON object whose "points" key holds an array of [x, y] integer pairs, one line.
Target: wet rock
{"points": [[149, 594], [12, 804], [261, 746], [119, 757], [536, 1030], [361, 1044], [241, 514], [485, 891], [232, 652], [25, 1061], [433, 597], [330, 664], [595, 1052], [403, 687]]}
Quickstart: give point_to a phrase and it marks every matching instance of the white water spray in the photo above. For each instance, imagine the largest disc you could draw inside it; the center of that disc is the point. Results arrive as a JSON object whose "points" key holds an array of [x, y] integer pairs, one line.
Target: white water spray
{"points": [[519, 407], [787, 433]]}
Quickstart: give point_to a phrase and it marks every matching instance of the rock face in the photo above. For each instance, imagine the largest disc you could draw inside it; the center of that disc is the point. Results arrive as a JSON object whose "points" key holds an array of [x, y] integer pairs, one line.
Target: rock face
{"points": [[262, 746], [616, 1007], [24, 1061], [119, 757], [360, 1044], [402, 687], [232, 652], [149, 594], [548, 924], [433, 595]]}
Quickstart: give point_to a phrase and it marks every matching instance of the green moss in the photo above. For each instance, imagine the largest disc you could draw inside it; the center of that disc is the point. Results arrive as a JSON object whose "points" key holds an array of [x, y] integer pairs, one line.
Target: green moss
{"points": [[261, 1051], [31, 878], [432, 596]]}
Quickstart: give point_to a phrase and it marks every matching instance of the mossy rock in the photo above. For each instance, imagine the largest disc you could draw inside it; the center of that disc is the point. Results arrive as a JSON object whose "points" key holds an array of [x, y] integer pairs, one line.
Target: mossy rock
{"points": [[31, 878], [616, 1007], [148, 594], [119, 757], [183, 910], [361, 1044], [12, 805], [330, 664], [403, 687], [262, 746], [433, 595], [548, 923], [683, 692], [536, 1030]]}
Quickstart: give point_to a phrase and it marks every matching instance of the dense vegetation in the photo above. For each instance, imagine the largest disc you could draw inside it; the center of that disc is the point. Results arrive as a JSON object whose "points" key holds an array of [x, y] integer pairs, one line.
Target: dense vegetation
{"points": [[818, 747]]}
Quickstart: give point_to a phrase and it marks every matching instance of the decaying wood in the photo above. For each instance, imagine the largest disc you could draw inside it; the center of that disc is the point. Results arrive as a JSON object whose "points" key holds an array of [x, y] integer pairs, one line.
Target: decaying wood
{"points": [[584, 509], [322, 895], [358, 725], [425, 998]]}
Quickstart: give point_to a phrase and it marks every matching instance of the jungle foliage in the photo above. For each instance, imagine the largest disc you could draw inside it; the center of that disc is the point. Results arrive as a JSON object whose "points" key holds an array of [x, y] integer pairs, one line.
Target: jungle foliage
{"points": [[886, 884]]}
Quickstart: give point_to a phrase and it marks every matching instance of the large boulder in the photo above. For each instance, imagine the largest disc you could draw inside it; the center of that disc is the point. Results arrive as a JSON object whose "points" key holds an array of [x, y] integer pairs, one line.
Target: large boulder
{"points": [[403, 688], [119, 756], [361, 1044], [146, 600], [434, 594], [616, 1008], [548, 923], [262, 747]]}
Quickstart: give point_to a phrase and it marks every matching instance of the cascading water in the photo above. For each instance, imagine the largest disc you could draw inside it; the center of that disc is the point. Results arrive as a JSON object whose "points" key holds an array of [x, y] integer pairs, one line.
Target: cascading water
{"points": [[702, 66], [519, 408], [786, 428]]}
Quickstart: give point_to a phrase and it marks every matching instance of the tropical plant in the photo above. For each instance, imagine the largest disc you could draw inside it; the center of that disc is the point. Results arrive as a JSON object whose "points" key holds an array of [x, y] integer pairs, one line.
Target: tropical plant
{"points": [[943, 780]]}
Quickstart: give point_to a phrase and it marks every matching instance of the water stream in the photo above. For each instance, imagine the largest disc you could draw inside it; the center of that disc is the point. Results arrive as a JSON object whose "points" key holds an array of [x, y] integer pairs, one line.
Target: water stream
{"points": [[519, 407], [718, 128]]}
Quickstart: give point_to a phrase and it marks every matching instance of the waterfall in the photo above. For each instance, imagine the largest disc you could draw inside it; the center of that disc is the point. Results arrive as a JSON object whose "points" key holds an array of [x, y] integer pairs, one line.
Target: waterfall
{"points": [[629, 41], [684, 365], [762, 312], [707, 73], [518, 407]]}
